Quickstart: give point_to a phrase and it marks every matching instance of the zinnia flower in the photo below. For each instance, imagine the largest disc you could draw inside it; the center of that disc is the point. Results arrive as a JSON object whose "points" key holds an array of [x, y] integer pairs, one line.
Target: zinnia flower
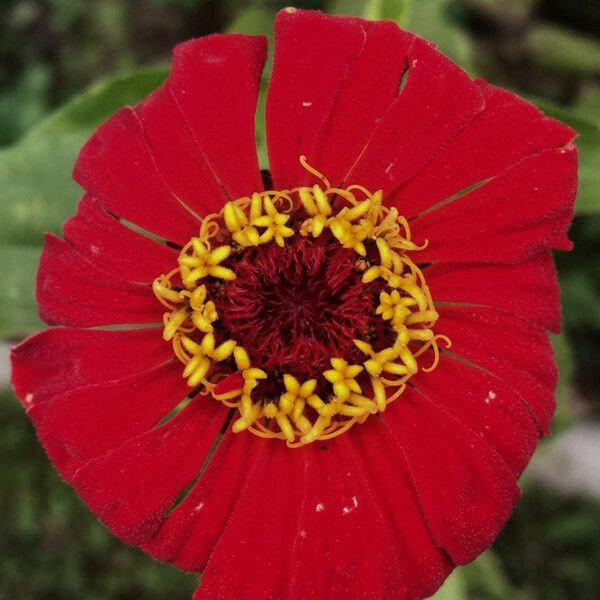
{"points": [[325, 378]]}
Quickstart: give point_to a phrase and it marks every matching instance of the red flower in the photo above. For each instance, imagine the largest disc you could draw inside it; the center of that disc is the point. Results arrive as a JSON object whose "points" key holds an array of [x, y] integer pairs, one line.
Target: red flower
{"points": [[281, 283]]}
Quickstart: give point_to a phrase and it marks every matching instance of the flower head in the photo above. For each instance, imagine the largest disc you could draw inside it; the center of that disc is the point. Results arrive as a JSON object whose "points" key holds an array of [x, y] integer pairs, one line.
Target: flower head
{"points": [[343, 374]]}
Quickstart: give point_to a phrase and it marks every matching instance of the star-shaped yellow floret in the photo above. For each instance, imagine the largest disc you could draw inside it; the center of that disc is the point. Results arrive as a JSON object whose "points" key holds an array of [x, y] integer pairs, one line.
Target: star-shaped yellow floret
{"points": [[343, 378], [394, 307], [274, 223], [203, 355], [384, 360], [239, 224], [348, 234], [409, 285], [204, 262], [293, 401]]}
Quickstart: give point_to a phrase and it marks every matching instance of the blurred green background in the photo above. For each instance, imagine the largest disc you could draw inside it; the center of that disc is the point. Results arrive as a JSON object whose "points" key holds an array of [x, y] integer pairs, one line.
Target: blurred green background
{"points": [[65, 65]]}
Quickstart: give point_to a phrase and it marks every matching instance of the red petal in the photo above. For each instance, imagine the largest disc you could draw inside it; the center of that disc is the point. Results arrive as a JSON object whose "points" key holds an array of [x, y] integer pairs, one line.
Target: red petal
{"points": [[82, 424], [371, 85], [177, 154], [318, 88], [528, 290], [190, 532], [488, 406], [131, 488], [424, 565], [514, 350], [115, 248], [437, 102], [507, 130], [314, 54], [465, 489], [524, 210], [324, 519], [215, 81], [253, 551], [64, 359], [72, 291], [115, 166]]}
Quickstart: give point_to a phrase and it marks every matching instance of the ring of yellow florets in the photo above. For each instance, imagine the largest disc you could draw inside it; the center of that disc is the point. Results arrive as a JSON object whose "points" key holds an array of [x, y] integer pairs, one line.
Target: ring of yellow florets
{"points": [[299, 415]]}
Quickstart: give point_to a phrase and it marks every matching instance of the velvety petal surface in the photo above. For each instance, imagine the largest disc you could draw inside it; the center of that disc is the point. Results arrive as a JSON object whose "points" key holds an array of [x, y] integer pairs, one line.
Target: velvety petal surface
{"points": [[82, 424], [326, 532], [505, 132], [190, 532], [115, 248], [308, 74], [68, 358], [72, 291], [215, 81], [116, 166], [487, 405], [516, 351], [524, 210], [403, 98], [528, 289], [176, 150], [132, 487], [465, 489]]}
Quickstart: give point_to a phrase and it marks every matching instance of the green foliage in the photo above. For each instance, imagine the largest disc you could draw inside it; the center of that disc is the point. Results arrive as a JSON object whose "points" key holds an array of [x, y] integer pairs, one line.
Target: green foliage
{"points": [[481, 579], [558, 48], [35, 174], [18, 309], [579, 274], [433, 20], [552, 546], [454, 588], [253, 20], [38, 193], [23, 104], [393, 10], [563, 354]]}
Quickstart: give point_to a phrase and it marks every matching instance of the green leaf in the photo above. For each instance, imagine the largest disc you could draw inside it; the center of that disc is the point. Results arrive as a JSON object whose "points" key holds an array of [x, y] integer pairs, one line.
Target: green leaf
{"points": [[35, 174], [561, 49], [486, 579], [454, 587], [18, 309], [38, 193], [563, 417], [22, 104], [253, 20], [355, 8], [393, 10], [432, 19], [588, 145], [483, 578], [588, 103]]}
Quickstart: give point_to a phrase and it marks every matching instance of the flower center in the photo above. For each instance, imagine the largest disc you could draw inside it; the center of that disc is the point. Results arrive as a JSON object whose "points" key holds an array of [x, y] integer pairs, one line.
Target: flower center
{"points": [[294, 308], [300, 309]]}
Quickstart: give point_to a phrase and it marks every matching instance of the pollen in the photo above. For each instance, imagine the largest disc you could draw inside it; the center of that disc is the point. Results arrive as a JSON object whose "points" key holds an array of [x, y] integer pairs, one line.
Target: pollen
{"points": [[311, 299]]}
